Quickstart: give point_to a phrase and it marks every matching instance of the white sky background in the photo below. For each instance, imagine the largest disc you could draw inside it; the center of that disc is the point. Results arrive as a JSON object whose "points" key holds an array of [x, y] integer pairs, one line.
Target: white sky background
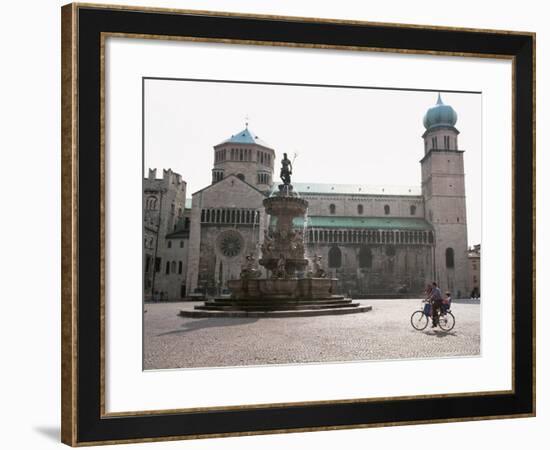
{"points": [[341, 135]]}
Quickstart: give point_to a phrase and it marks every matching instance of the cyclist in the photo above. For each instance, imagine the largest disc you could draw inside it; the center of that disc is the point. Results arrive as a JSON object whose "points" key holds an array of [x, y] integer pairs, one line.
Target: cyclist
{"points": [[436, 300], [447, 302]]}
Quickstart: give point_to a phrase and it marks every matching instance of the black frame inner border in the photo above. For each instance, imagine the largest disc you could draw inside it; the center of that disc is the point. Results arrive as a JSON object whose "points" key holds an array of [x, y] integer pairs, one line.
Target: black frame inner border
{"points": [[90, 426]]}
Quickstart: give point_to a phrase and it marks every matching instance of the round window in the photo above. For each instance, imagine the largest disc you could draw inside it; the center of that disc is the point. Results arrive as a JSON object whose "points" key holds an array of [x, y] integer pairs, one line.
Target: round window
{"points": [[230, 243]]}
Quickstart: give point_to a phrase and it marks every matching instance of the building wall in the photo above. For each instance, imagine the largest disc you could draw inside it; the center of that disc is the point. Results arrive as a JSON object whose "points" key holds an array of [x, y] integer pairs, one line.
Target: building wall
{"points": [[249, 166], [204, 250], [474, 273], [400, 270], [163, 207], [171, 277], [373, 205], [445, 202]]}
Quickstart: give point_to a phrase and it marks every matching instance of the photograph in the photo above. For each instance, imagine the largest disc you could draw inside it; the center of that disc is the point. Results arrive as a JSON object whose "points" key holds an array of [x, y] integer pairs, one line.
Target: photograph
{"points": [[299, 223]]}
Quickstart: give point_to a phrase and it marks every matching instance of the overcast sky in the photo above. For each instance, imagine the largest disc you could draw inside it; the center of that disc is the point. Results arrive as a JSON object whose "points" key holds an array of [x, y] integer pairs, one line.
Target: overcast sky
{"points": [[340, 135]]}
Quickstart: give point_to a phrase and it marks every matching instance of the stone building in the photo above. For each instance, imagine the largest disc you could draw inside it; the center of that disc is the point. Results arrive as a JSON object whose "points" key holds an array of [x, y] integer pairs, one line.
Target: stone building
{"points": [[378, 241], [474, 259], [165, 232]]}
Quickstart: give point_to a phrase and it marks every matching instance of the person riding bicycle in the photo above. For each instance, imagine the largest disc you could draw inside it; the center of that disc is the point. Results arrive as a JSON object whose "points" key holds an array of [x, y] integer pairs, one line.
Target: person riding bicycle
{"points": [[447, 302], [436, 299]]}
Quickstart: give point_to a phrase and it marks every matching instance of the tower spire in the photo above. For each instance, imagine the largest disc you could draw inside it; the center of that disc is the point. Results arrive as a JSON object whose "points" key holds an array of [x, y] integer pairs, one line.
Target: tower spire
{"points": [[439, 101], [246, 118]]}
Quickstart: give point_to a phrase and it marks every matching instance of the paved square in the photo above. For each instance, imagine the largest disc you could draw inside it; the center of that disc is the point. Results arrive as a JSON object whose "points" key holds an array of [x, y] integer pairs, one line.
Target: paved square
{"points": [[171, 341]]}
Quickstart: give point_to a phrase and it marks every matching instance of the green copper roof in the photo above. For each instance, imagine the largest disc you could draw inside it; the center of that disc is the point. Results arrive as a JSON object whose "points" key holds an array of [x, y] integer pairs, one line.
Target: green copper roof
{"points": [[378, 223], [245, 136], [440, 115], [356, 189]]}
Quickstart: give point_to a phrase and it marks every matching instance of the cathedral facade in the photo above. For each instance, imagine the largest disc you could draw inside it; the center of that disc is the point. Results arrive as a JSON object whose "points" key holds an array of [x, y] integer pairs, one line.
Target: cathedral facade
{"points": [[378, 242]]}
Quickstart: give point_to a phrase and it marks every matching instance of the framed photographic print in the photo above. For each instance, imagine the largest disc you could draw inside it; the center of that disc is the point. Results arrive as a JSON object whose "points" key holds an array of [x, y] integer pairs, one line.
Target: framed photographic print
{"points": [[283, 224]]}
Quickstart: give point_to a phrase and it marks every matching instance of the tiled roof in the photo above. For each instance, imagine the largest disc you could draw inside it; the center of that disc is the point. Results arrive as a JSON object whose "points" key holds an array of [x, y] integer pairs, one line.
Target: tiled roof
{"points": [[356, 189], [378, 223], [246, 136]]}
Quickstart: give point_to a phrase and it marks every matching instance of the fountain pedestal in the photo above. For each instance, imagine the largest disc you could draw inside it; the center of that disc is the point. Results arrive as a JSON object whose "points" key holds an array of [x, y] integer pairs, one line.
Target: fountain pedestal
{"points": [[288, 290]]}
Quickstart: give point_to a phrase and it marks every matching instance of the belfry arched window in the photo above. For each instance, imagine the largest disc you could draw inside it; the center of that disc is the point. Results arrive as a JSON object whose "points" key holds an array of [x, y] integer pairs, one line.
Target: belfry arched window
{"points": [[449, 258], [359, 209], [386, 209], [413, 210], [332, 208], [365, 257], [334, 257]]}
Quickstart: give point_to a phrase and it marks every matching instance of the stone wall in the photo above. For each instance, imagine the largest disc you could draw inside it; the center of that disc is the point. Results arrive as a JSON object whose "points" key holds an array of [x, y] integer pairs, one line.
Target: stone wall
{"points": [[445, 202], [400, 270], [163, 207], [205, 255], [372, 205]]}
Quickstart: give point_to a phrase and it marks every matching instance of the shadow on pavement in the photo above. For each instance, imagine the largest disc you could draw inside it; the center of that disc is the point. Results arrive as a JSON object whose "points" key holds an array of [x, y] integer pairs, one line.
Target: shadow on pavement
{"points": [[198, 324], [439, 333]]}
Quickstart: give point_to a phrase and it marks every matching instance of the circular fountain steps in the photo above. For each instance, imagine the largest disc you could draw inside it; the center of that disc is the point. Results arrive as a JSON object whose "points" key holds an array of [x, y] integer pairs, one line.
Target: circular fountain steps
{"points": [[277, 308]]}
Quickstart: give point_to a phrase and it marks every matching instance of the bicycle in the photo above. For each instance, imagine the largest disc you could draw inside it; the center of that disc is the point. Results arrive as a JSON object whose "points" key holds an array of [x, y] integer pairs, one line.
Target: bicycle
{"points": [[421, 318]]}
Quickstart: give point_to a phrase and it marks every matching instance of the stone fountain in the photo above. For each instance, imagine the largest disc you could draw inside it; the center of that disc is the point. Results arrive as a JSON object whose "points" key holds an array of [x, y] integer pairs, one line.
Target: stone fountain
{"points": [[291, 288]]}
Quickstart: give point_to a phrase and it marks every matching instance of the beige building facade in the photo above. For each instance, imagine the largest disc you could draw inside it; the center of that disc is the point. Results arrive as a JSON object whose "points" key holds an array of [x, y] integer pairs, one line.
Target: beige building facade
{"points": [[378, 241], [474, 259]]}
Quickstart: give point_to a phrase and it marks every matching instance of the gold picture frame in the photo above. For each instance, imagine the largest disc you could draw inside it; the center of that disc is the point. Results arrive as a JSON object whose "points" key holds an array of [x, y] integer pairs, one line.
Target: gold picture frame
{"points": [[84, 30]]}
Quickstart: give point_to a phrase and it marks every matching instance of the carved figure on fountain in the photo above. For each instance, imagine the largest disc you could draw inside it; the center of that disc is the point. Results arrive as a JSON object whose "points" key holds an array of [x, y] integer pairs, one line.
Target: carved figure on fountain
{"points": [[250, 269], [317, 271]]}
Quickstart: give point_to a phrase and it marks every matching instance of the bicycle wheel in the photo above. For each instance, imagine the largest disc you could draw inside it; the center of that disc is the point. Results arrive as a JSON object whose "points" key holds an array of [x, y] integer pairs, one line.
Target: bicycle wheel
{"points": [[447, 321], [419, 320]]}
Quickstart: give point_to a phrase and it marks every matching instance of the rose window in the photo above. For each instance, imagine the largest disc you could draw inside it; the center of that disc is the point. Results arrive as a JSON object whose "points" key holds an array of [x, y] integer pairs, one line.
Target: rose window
{"points": [[230, 244]]}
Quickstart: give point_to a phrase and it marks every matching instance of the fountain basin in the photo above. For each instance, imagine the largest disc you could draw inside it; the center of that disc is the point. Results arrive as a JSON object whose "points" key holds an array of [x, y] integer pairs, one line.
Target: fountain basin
{"points": [[283, 288]]}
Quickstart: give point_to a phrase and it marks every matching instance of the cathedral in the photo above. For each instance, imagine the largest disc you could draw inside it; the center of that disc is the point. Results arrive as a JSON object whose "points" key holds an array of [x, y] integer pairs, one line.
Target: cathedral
{"points": [[379, 242]]}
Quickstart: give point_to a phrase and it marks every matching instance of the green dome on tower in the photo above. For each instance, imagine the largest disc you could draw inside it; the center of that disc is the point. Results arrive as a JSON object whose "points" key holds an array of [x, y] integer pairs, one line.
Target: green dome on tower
{"points": [[440, 115]]}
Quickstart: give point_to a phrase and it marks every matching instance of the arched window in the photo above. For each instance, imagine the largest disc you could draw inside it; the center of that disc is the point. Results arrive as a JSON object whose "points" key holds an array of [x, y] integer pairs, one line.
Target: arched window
{"points": [[167, 267], [169, 243], [240, 176], [449, 258], [365, 257], [359, 209], [386, 209], [180, 267], [334, 257], [413, 210], [332, 208], [151, 202], [173, 267]]}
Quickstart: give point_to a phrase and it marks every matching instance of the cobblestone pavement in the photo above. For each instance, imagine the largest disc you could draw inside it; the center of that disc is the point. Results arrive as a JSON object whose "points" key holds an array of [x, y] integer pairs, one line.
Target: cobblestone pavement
{"points": [[171, 341]]}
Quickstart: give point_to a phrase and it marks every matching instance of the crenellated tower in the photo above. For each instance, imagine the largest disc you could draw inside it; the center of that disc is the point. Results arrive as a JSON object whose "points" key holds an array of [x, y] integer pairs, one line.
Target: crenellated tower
{"points": [[444, 193]]}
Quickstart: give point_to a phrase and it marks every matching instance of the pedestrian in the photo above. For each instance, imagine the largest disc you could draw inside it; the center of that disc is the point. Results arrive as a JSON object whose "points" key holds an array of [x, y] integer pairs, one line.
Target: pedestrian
{"points": [[436, 300]]}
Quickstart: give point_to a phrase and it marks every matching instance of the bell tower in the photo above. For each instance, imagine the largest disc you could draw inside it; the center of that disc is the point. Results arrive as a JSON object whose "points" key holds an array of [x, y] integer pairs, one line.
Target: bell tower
{"points": [[444, 193]]}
